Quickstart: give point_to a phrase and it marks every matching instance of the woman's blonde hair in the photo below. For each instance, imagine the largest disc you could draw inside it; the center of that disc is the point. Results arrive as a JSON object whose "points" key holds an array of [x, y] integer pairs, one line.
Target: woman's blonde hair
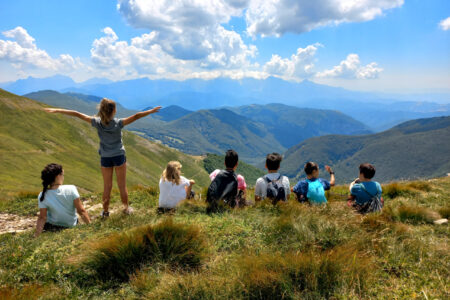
{"points": [[106, 110], [172, 172]]}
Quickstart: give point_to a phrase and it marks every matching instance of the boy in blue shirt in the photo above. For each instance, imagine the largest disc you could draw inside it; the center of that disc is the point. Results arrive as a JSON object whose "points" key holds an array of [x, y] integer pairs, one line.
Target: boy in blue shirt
{"points": [[313, 188], [363, 189]]}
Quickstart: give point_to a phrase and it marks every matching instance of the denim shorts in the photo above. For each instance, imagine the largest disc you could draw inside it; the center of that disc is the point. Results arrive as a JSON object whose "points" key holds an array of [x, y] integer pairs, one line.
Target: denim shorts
{"points": [[115, 161]]}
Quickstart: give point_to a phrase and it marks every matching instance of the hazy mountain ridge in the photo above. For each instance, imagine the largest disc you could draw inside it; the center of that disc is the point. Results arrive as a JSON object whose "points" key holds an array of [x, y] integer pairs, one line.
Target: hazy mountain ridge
{"points": [[414, 149], [379, 111], [253, 130]]}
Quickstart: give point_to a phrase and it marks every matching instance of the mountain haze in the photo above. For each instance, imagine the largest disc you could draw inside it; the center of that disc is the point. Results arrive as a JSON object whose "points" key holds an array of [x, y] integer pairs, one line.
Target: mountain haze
{"points": [[414, 149]]}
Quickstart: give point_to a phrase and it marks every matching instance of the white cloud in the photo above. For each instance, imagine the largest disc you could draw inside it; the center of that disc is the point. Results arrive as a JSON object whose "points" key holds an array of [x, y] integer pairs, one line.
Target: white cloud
{"points": [[445, 24], [22, 52], [276, 17], [351, 68], [192, 30], [300, 65]]}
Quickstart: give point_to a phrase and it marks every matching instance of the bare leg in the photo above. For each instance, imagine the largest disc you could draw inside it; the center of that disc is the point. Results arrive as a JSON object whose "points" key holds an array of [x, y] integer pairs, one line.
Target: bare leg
{"points": [[107, 186], [121, 174]]}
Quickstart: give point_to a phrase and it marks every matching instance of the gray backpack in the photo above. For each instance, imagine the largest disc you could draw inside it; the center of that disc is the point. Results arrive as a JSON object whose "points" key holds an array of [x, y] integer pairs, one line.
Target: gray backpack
{"points": [[373, 205]]}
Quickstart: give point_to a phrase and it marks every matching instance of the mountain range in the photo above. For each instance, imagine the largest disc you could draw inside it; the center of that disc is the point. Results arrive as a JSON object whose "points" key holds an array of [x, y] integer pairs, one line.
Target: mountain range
{"points": [[379, 111], [32, 138], [253, 130], [411, 150]]}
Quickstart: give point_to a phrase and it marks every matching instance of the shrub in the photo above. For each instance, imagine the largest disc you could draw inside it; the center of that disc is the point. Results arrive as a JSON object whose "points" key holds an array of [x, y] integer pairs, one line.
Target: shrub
{"points": [[120, 255]]}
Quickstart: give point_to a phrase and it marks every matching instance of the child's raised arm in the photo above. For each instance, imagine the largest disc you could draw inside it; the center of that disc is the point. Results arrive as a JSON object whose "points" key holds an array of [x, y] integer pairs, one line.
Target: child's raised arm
{"points": [[73, 113], [139, 115]]}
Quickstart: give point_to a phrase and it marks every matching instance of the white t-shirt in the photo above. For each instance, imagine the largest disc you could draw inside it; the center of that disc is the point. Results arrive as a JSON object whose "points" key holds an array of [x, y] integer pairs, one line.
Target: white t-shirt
{"points": [[170, 194], [261, 185], [60, 207]]}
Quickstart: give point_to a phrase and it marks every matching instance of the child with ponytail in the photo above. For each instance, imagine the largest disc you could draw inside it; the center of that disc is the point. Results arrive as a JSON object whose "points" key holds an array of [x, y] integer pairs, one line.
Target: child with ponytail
{"points": [[112, 151], [58, 203]]}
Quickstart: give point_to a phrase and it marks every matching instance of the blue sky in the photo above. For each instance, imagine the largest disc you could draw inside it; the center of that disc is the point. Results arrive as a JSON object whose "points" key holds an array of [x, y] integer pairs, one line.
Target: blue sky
{"points": [[377, 45]]}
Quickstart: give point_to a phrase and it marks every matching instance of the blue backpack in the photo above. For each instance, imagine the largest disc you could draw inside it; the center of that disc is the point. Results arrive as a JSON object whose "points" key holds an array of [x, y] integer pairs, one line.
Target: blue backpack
{"points": [[316, 192]]}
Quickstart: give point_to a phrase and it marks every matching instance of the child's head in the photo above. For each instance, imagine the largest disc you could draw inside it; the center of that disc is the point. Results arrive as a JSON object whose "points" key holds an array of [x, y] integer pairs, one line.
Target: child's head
{"points": [[52, 174], [273, 161], [106, 110], [311, 169], [366, 170], [172, 172], [231, 159]]}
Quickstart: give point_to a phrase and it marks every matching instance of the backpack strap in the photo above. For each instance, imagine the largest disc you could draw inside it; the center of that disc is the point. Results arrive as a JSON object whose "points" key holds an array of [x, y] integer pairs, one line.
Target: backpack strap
{"points": [[367, 192], [268, 180]]}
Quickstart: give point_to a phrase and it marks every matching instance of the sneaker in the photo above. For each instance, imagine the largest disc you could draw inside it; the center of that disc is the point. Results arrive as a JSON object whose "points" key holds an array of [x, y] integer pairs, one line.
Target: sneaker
{"points": [[128, 211], [104, 214]]}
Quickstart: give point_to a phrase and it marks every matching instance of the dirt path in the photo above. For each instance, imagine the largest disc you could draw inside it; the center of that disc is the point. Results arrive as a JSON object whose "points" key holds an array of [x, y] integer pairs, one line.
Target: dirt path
{"points": [[10, 223]]}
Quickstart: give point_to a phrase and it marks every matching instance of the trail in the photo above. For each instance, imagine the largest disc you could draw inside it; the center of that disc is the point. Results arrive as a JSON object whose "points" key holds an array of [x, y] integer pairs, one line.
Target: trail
{"points": [[11, 223]]}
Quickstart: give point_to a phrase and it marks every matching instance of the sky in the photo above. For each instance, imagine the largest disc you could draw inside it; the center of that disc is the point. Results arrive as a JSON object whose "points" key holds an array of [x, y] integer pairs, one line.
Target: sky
{"points": [[398, 46]]}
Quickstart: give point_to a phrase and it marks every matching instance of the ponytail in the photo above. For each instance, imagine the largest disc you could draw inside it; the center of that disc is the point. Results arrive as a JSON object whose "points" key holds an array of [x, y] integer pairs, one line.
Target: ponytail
{"points": [[48, 176], [106, 110]]}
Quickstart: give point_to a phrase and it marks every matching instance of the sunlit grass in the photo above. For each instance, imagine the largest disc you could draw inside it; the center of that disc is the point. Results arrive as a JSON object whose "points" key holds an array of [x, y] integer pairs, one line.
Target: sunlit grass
{"points": [[290, 251]]}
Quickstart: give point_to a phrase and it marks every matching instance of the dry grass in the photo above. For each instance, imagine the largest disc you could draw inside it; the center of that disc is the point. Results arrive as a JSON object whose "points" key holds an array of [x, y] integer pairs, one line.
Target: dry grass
{"points": [[120, 255]]}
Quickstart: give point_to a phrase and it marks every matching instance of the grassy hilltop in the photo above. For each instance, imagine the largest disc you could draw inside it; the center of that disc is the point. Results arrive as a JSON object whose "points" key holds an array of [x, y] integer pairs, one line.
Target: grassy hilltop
{"points": [[30, 138], [288, 251]]}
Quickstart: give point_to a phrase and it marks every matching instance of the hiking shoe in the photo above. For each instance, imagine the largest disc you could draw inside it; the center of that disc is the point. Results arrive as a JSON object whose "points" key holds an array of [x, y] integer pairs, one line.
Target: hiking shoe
{"points": [[128, 211], [104, 214]]}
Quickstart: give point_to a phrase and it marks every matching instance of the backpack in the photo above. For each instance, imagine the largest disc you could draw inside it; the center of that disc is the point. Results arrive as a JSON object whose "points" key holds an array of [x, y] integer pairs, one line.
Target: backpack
{"points": [[316, 192], [223, 189], [373, 205], [275, 189]]}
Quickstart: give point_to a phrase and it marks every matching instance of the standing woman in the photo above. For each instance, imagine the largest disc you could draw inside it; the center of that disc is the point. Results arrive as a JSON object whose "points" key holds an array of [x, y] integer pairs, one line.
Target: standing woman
{"points": [[58, 203], [112, 151]]}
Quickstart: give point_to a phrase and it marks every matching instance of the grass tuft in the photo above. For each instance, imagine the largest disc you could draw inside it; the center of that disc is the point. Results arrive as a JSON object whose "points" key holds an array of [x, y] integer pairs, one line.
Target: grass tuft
{"points": [[310, 275], [395, 189], [445, 212], [120, 255], [29, 291], [416, 214]]}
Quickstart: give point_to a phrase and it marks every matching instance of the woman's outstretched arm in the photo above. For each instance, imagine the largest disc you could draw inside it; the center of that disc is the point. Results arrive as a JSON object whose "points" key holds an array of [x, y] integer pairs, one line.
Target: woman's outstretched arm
{"points": [[139, 115], [68, 112]]}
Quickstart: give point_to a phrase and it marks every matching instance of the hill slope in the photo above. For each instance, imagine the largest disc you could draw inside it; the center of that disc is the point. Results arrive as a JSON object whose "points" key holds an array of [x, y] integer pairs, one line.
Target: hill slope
{"points": [[215, 131], [30, 138], [290, 251], [250, 173], [293, 125], [414, 149]]}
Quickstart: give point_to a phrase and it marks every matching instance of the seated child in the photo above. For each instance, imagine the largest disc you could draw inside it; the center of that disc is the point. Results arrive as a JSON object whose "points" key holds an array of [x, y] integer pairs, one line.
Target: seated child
{"points": [[58, 203], [224, 186], [272, 183], [173, 187], [242, 187], [365, 193], [313, 188]]}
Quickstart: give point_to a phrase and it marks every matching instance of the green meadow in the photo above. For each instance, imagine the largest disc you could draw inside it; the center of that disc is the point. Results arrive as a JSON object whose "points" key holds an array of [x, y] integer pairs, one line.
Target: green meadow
{"points": [[287, 251]]}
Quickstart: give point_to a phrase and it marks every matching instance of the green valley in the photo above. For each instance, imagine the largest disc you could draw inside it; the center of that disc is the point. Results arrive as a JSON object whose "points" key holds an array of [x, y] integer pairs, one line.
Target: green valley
{"points": [[30, 138]]}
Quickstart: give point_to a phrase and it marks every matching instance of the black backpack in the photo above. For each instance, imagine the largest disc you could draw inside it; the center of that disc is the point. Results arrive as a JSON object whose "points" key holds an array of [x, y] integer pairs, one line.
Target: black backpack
{"points": [[222, 190], [275, 189]]}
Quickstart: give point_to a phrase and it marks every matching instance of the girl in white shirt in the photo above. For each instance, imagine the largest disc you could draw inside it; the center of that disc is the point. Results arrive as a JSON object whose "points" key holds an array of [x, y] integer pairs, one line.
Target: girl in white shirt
{"points": [[173, 187]]}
